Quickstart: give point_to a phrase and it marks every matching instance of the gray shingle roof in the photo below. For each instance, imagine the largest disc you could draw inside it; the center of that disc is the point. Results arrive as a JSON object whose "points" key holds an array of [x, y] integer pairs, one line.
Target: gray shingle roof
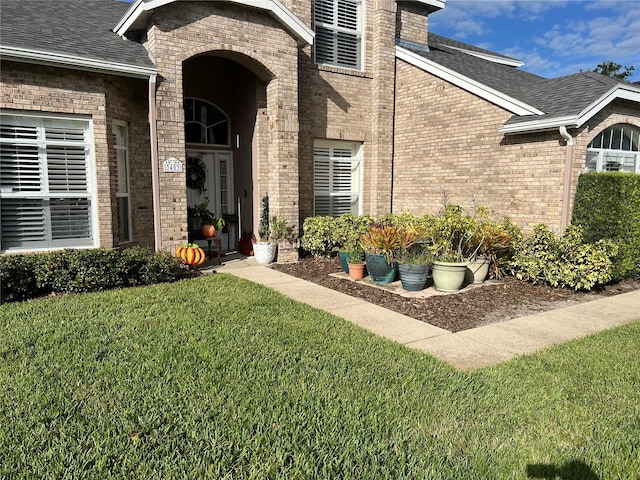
{"points": [[557, 97], [78, 28]]}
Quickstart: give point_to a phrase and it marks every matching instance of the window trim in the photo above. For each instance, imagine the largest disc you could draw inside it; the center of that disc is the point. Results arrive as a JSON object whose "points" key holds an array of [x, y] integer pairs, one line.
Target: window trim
{"points": [[37, 119], [601, 152], [120, 194], [186, 122]]}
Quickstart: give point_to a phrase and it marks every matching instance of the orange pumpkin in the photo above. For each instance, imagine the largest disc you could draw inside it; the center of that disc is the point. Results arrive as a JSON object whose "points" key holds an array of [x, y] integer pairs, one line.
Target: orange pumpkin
{"points": [[191, 254], [208, 231]]}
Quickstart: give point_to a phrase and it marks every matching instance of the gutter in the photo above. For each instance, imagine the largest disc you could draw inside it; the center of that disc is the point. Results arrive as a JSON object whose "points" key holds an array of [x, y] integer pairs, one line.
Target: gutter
{"points": [[155, 183], [566, 186]]}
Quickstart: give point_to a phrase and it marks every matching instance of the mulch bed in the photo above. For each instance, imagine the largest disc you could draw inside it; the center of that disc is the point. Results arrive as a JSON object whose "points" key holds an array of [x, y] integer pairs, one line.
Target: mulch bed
{"points": [[495, 302]]}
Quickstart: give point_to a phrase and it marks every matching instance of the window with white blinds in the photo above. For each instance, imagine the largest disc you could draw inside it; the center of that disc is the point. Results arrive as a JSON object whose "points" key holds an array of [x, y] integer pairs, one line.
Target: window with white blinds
{"points": [[338, 28], [616, 149], [120, 133], [46, 198], [336, 177]]}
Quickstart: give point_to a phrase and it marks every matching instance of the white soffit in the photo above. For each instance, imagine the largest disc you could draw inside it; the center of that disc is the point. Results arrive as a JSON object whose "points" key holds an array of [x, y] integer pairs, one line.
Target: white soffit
{"points": [[481, 90], [135, 17], [622, 92], [438, 4], [40, 57]]}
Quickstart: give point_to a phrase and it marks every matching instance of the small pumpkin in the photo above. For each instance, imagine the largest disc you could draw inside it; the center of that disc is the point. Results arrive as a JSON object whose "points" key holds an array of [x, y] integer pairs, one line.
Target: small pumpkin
{"points": [[208, 230], [191, 254]]}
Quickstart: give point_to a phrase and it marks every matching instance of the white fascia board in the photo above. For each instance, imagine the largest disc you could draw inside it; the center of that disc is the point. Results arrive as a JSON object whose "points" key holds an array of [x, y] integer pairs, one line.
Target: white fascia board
{"points": [[623, 92], [510, 62], [79, 63], [483, 91], [439, 4], [139, 10]]}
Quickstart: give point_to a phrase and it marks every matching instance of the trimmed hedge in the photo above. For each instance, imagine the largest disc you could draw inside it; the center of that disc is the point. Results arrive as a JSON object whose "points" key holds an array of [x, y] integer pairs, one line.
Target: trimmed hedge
{"points": [[607, 206], [25, 276]]}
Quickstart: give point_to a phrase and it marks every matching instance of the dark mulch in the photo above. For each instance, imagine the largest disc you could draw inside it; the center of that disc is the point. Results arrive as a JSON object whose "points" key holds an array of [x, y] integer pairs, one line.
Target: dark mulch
{"points": [[497, 302]]}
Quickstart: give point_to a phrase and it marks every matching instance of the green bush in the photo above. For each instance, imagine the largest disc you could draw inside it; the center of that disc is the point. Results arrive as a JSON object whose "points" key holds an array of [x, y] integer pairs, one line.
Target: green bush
{"points": [[567, 261], [27, 276], [317, 235], [607, 206]]}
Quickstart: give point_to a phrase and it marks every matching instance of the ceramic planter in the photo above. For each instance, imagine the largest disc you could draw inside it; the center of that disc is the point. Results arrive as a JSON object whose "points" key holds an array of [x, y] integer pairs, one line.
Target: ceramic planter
{"points": [[379, 270], [356, 271], [412, 276], [343, 261], [264, 252], [477, 270], [448, 276]]}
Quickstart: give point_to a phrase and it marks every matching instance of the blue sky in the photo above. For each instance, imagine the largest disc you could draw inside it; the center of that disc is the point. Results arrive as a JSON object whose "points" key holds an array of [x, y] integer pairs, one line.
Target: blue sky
{"points": [[552, 37]]}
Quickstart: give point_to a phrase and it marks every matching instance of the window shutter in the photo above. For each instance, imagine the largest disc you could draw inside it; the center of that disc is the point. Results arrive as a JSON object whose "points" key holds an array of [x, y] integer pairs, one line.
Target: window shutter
{"points": [[67, 169], [19, 159], [70, 218], [23, 221], [336, 178], [338, 35]]}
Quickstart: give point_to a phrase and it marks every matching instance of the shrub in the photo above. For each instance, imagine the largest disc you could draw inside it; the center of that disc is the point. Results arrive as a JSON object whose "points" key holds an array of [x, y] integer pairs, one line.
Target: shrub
{"points": [[566, 261], [607, 206], [27, 276], [317, 235]]}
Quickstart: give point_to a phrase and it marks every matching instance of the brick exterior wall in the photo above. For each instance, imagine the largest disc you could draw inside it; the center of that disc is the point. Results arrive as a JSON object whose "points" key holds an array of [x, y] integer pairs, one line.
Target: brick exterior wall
{"points": [[457, 151], [102, 98]]}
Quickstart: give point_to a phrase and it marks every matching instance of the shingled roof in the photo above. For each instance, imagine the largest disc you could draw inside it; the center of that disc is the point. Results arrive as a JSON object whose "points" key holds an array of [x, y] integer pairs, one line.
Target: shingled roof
{"points": [[71, 32], [549, 100]]}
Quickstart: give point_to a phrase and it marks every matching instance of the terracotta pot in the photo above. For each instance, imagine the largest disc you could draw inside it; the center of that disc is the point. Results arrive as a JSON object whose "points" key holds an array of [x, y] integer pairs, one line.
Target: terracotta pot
{"points": [[356, 271]]}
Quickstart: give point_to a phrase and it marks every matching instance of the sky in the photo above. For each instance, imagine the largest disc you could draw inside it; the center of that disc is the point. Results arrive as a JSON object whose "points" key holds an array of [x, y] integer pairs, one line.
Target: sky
{"points": [[552, 37]]}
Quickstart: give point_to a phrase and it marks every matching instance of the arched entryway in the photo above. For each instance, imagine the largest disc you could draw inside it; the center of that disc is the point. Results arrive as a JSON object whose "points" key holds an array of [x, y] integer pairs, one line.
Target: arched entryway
{"points": [[223, 94]]}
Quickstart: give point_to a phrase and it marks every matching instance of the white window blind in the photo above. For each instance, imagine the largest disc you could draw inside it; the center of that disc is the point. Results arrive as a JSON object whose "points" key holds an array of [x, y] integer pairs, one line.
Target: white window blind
{"points": [[45, 188], [338, 28], [336, 178]]}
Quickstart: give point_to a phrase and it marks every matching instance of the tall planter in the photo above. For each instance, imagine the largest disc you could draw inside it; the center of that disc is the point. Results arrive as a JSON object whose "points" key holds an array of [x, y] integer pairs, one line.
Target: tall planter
{"points": [[342, 255], [413, 276], [477, 270], [264, 252], [379, 270], [448, 276]]}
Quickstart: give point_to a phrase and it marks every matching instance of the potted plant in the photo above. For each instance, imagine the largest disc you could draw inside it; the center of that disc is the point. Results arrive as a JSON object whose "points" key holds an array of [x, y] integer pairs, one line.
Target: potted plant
{"points": [[414, 266], [380, 245], [449, 235], [199, 215], [355, 260], [264, 249], [347, 230]]}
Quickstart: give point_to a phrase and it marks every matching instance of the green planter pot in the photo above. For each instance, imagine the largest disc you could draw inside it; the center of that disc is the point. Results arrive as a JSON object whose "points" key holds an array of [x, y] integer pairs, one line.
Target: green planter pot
{"points": [[343, 261], [379, 270], [477, 270], [448, 276], [412, 276]]}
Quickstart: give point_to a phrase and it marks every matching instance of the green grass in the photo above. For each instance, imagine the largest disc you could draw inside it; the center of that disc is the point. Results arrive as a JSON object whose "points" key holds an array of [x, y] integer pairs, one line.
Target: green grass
{"points": [[220, 378]]}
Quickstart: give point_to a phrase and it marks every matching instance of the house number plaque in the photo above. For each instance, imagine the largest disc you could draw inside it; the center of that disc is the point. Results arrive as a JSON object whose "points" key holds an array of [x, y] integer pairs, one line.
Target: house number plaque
{"points": [[172, 165]]}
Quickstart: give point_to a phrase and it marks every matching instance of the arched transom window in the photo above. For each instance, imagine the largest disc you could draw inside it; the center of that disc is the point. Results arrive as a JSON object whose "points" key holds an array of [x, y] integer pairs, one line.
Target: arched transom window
{"points": [[616, 149], [204, 123]]}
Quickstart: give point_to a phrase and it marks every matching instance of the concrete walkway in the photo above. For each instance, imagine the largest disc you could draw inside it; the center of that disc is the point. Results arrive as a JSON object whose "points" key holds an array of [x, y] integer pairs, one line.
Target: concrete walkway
{"points": [[469, 349]]}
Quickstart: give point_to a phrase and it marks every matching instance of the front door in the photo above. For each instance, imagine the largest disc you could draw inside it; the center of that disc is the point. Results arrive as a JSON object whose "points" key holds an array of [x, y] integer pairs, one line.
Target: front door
{"points": [[211, 181]]}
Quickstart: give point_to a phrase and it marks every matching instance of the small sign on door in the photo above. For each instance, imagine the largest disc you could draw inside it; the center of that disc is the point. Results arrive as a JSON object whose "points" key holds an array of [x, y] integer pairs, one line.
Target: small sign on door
{"points": [[172, 165]]}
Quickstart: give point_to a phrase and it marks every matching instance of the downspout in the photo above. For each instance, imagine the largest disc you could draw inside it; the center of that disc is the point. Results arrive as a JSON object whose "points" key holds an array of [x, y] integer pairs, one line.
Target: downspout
{"points": [[155, 184], [566, 188]]}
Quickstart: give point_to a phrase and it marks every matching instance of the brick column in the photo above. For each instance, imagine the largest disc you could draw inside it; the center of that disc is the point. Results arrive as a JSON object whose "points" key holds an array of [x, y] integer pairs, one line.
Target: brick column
{"points": [[380, 164]]}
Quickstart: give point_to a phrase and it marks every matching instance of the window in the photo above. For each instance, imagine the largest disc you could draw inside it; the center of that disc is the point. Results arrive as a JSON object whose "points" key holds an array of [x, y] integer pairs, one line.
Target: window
{"points": [[616, 149], [204, 123], [338, 28], [121, 148], [336, 178], [46, 194]]}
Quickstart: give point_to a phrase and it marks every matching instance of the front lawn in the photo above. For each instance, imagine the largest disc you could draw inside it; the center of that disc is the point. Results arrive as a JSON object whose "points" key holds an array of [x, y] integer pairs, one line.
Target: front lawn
{"points": [[220, 378]]}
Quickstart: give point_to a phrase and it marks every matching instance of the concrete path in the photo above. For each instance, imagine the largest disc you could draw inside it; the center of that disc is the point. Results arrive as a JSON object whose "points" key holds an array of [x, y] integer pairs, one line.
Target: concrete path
{"points": [[469, 349]]}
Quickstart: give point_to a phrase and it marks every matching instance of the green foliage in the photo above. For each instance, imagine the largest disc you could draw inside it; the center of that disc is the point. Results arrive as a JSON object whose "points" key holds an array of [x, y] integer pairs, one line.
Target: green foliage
{"points": [[566, 261], [220, 378], [614, 69], [317, 236], [450, 234], [279, 229], [27, 276], [382, 240], [347, 230], [356, 256], [607, 206], [263, 225]]}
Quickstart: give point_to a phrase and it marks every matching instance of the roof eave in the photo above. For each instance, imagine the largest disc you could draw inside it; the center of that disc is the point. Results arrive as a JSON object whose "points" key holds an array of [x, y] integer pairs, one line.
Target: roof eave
{"points": [[136, 15], [434, 4], [78, 63], [496, 97], [622, 92]]}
